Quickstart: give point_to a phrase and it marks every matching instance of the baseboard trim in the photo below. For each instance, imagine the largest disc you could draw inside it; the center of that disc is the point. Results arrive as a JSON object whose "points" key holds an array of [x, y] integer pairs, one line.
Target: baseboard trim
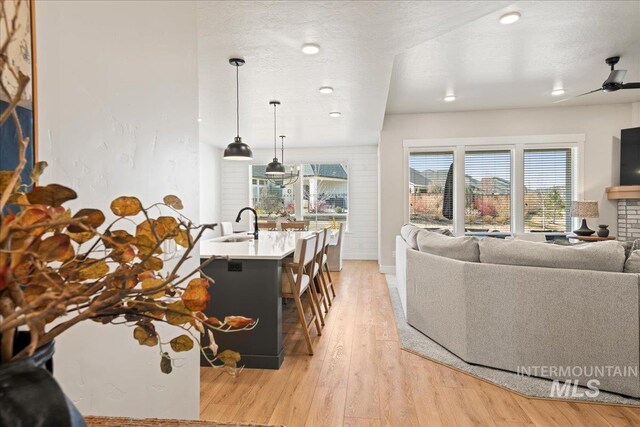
{"points": [[388, 269]]}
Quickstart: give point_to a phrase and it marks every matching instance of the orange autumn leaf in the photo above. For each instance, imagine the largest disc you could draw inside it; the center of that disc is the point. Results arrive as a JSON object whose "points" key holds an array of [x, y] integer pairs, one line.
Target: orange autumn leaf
{"points": [[166, 226], [126, 206], [54, 248], [51, 195], [153, 263], [91, 218], [178, 314], [196, 296], [214, 321], [239, 321], [151, 284], [173, 201], [182, 238], [94, 270]]}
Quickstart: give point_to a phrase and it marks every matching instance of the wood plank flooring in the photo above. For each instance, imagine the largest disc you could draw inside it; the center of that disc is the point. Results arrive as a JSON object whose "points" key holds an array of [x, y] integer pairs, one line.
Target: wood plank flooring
{"points": [[359, 376]]}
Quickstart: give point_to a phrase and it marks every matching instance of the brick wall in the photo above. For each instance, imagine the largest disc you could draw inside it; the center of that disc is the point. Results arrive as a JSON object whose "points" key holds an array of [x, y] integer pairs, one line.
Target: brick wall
{"points": [[628, 220]]}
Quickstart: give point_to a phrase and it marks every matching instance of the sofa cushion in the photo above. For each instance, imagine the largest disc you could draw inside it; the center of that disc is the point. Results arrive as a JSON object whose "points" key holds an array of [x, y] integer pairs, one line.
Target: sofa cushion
{"points": [[409, 233], [599, 256], [632, 263], [463, 248]]}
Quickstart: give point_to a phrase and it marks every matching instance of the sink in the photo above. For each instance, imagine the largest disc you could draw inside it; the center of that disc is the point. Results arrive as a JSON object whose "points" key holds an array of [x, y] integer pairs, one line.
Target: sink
{"points": [[234, 238]]}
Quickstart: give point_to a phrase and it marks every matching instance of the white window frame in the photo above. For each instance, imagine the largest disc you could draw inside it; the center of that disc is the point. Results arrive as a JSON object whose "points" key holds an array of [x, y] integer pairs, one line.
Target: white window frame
{"points": [[517, 145], [299, 184]]}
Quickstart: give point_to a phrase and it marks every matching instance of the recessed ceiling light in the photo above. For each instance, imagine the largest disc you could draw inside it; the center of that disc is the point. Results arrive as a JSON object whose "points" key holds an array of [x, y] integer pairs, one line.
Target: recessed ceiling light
{"points": [[509, 18], [449, 98], [557, 92], [326, 89], [199, 119], [310, 48], [335, 114]]}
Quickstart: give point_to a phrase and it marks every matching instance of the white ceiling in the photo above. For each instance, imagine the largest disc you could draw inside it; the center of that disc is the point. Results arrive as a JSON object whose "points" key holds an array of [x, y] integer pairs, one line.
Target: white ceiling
{"points": [[358, 43], [491, 66]]}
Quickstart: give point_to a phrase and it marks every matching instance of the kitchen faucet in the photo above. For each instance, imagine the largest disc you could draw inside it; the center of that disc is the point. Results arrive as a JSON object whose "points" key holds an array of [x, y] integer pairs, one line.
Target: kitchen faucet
{"points": [[255, 220]]}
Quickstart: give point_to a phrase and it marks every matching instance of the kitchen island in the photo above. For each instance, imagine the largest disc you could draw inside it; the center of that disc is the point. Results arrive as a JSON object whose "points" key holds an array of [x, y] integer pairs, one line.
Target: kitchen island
{"points": [[249, 285]]}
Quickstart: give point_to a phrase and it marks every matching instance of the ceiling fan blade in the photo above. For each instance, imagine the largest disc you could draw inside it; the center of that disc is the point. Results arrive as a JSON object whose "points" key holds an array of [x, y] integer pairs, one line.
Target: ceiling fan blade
{"points": [[578, 96], [631, 86], [616, 76]]}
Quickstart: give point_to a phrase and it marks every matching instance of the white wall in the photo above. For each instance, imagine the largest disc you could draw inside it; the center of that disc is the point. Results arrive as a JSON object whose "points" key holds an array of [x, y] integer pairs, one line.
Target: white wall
{"points": [[601, 124], [210, 159], [118, 108], [361, 241]]}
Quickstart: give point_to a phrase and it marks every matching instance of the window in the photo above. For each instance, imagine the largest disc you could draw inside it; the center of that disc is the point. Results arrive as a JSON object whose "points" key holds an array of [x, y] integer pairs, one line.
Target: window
{"points": [[320, 196], [487, 191], [431, 189], [494, 185], [325, 194], [269, 199], [548, 189]]}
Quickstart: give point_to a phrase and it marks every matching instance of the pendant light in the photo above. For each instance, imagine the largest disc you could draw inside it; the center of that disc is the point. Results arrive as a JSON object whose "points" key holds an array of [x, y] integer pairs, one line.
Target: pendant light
{"points": [[237, 150], [286, 178], [275, 168]]}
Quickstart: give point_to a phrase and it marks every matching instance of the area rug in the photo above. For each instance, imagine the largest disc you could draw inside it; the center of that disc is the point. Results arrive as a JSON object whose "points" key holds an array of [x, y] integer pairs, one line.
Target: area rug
{"points": [[414, 341], [154, 422]]}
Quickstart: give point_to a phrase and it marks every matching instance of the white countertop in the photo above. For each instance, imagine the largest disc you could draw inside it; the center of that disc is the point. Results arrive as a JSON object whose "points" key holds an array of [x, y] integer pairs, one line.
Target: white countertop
{"points": [[270, 245]]}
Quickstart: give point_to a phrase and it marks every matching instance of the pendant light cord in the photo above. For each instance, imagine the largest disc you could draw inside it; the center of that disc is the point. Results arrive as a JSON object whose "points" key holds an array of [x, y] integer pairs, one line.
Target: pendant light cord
{"points": [[237, 103], [275, 139]]}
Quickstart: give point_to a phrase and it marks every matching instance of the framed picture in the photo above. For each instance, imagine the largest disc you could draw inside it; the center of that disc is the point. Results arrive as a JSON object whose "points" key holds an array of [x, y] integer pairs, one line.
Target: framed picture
{"points": [[21, 56]]}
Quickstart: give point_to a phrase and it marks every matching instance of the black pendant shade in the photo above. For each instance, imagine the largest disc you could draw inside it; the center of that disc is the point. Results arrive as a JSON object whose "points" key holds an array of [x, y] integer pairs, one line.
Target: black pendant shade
{"points": [[275, 168], [237, 150]]}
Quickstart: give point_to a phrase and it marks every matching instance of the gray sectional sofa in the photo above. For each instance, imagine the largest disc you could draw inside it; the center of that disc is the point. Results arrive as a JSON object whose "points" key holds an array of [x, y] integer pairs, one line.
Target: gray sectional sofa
{"points": [[519, 316]]}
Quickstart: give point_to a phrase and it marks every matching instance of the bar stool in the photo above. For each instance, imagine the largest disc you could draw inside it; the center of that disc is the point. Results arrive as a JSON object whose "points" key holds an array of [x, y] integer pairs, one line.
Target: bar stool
{"points": [[296, 281], [324, 265], [321, 260]]}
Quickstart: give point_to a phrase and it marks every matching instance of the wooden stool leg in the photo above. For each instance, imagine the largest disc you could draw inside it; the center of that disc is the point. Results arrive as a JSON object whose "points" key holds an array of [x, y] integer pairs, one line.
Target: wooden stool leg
{"points": [[323, 283], [303, 323], [316, 301], [315, 317], [317, 282], [326, 269]]}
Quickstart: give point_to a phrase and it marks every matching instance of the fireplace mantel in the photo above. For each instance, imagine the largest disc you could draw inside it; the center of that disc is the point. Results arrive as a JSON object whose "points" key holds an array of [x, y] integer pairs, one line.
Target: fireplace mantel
{"points": [[623, 192]]}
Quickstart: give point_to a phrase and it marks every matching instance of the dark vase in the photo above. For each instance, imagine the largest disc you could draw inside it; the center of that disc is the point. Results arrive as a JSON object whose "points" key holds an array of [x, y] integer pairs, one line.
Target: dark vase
{"points": [[603, 231], [30, 396]]}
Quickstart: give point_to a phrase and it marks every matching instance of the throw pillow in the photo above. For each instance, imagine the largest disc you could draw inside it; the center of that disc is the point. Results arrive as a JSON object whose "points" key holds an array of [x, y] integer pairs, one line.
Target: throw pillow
{"points": [[463, 248], [409, 233]]}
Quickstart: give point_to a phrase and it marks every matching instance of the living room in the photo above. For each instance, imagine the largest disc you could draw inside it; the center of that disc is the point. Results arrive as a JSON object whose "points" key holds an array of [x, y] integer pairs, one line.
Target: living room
{"points": [[318, 213]]}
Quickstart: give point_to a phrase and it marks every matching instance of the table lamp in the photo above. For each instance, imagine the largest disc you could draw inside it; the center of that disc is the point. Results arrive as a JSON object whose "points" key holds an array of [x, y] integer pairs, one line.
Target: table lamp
{"points": [[584, 209]]}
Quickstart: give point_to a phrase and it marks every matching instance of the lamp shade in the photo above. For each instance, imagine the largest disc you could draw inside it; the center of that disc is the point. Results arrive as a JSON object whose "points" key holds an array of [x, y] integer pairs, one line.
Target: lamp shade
{"points": [[238, 150], [585, 209], [275, 168]]}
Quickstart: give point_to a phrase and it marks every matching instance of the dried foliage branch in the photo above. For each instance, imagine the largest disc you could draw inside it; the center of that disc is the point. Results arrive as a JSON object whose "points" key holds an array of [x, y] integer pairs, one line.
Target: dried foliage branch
{"points": [[59, 268]]}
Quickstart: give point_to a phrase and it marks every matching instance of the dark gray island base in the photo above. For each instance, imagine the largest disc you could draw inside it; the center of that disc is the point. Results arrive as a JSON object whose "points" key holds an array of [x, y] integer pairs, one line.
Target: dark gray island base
{"points": [[249, 285], [254, 292]]}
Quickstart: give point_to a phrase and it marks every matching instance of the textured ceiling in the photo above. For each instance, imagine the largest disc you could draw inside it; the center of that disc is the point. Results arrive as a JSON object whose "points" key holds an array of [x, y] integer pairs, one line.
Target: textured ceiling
{"points": [[489, 66], [358, 43]]}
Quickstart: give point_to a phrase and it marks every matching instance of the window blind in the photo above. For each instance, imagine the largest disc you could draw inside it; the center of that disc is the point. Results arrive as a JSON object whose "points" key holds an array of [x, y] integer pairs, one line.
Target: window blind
{"points": [[487, 190], [431, 189], [548, 189]]}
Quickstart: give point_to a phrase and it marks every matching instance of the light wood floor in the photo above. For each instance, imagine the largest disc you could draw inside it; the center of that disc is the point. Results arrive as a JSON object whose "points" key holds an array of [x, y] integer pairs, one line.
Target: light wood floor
{"points": [[359, 376]]}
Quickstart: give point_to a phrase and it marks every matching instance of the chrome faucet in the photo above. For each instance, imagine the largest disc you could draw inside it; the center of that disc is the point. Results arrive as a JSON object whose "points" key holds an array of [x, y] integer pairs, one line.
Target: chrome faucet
{"points": [[255, 220]]}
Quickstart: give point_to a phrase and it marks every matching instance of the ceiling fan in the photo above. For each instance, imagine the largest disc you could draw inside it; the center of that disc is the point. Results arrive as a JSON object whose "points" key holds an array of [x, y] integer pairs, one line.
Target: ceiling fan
{"points": [[613, 82]]}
